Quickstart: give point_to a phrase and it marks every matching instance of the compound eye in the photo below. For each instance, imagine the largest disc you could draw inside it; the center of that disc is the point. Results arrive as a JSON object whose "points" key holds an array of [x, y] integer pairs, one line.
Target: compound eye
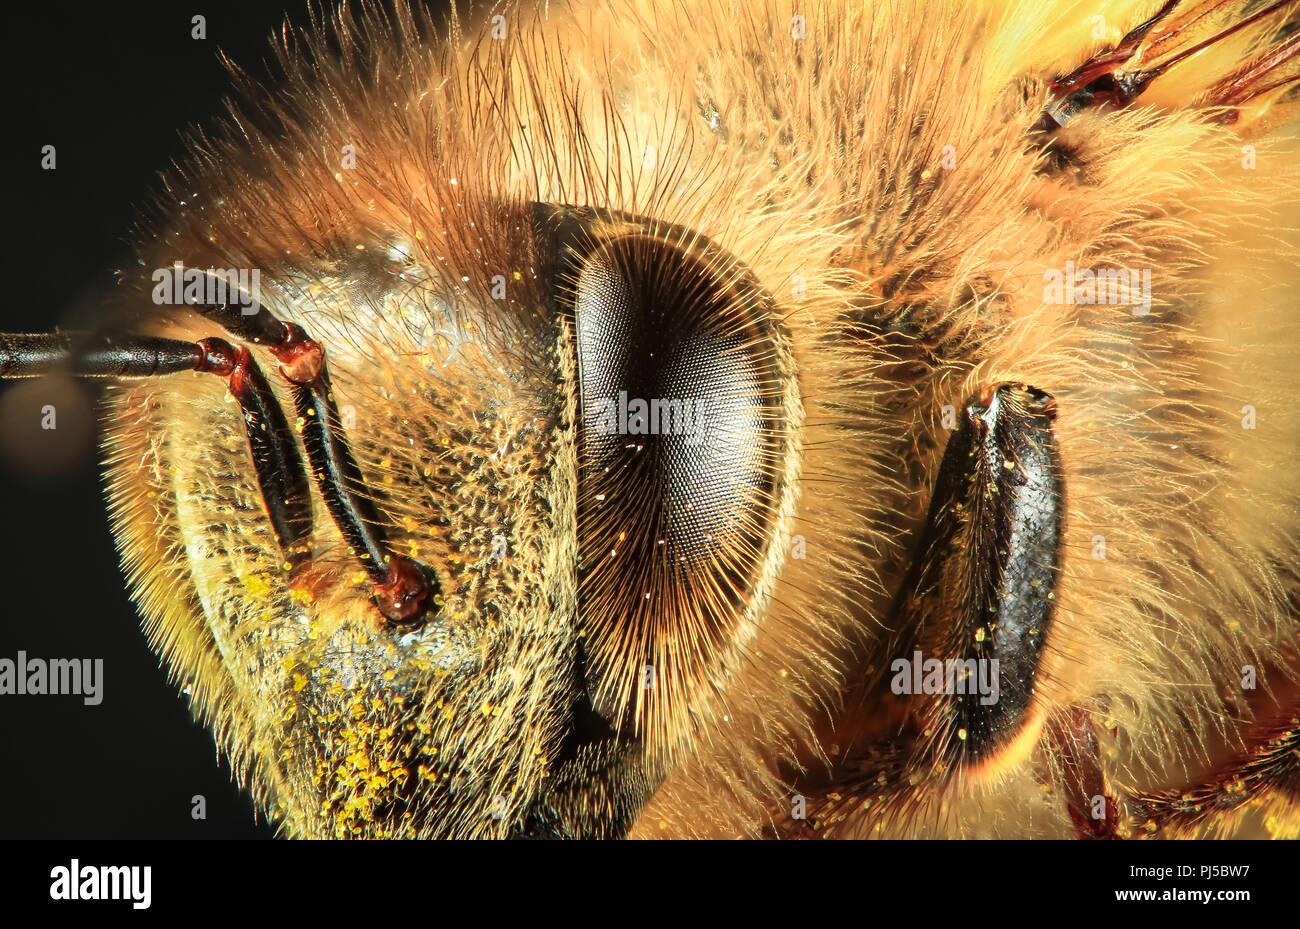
{"points": [[680, 453]]}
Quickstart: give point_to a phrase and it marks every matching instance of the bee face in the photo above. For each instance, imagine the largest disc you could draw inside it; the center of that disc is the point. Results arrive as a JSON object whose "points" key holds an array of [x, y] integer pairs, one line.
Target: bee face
{"points": [[616, 406], [592, 450], [454, 404]]}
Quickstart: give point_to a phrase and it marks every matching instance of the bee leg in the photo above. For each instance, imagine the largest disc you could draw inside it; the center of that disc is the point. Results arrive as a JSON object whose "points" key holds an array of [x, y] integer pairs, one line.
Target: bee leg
{"points": [[1150, 52], [1252, 88], [956, 695], [281, 476], [404, 589], [1266, 762], [976, 607], [1093, 811], [1095, 81], [1271, 763]]}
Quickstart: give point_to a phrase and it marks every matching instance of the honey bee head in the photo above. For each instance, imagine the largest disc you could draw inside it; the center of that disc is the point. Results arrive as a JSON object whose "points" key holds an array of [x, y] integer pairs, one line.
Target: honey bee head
{"points": [[622, 392], [569, 402]]}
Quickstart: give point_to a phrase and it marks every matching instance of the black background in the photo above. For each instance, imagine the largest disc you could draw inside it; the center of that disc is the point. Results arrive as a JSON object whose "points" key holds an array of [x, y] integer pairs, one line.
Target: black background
{"points": [[110, 86]]}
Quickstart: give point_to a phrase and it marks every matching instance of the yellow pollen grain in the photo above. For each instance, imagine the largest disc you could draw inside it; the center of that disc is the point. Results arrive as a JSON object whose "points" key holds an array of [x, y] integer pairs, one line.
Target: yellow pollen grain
{"points": [[256, 584]]}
